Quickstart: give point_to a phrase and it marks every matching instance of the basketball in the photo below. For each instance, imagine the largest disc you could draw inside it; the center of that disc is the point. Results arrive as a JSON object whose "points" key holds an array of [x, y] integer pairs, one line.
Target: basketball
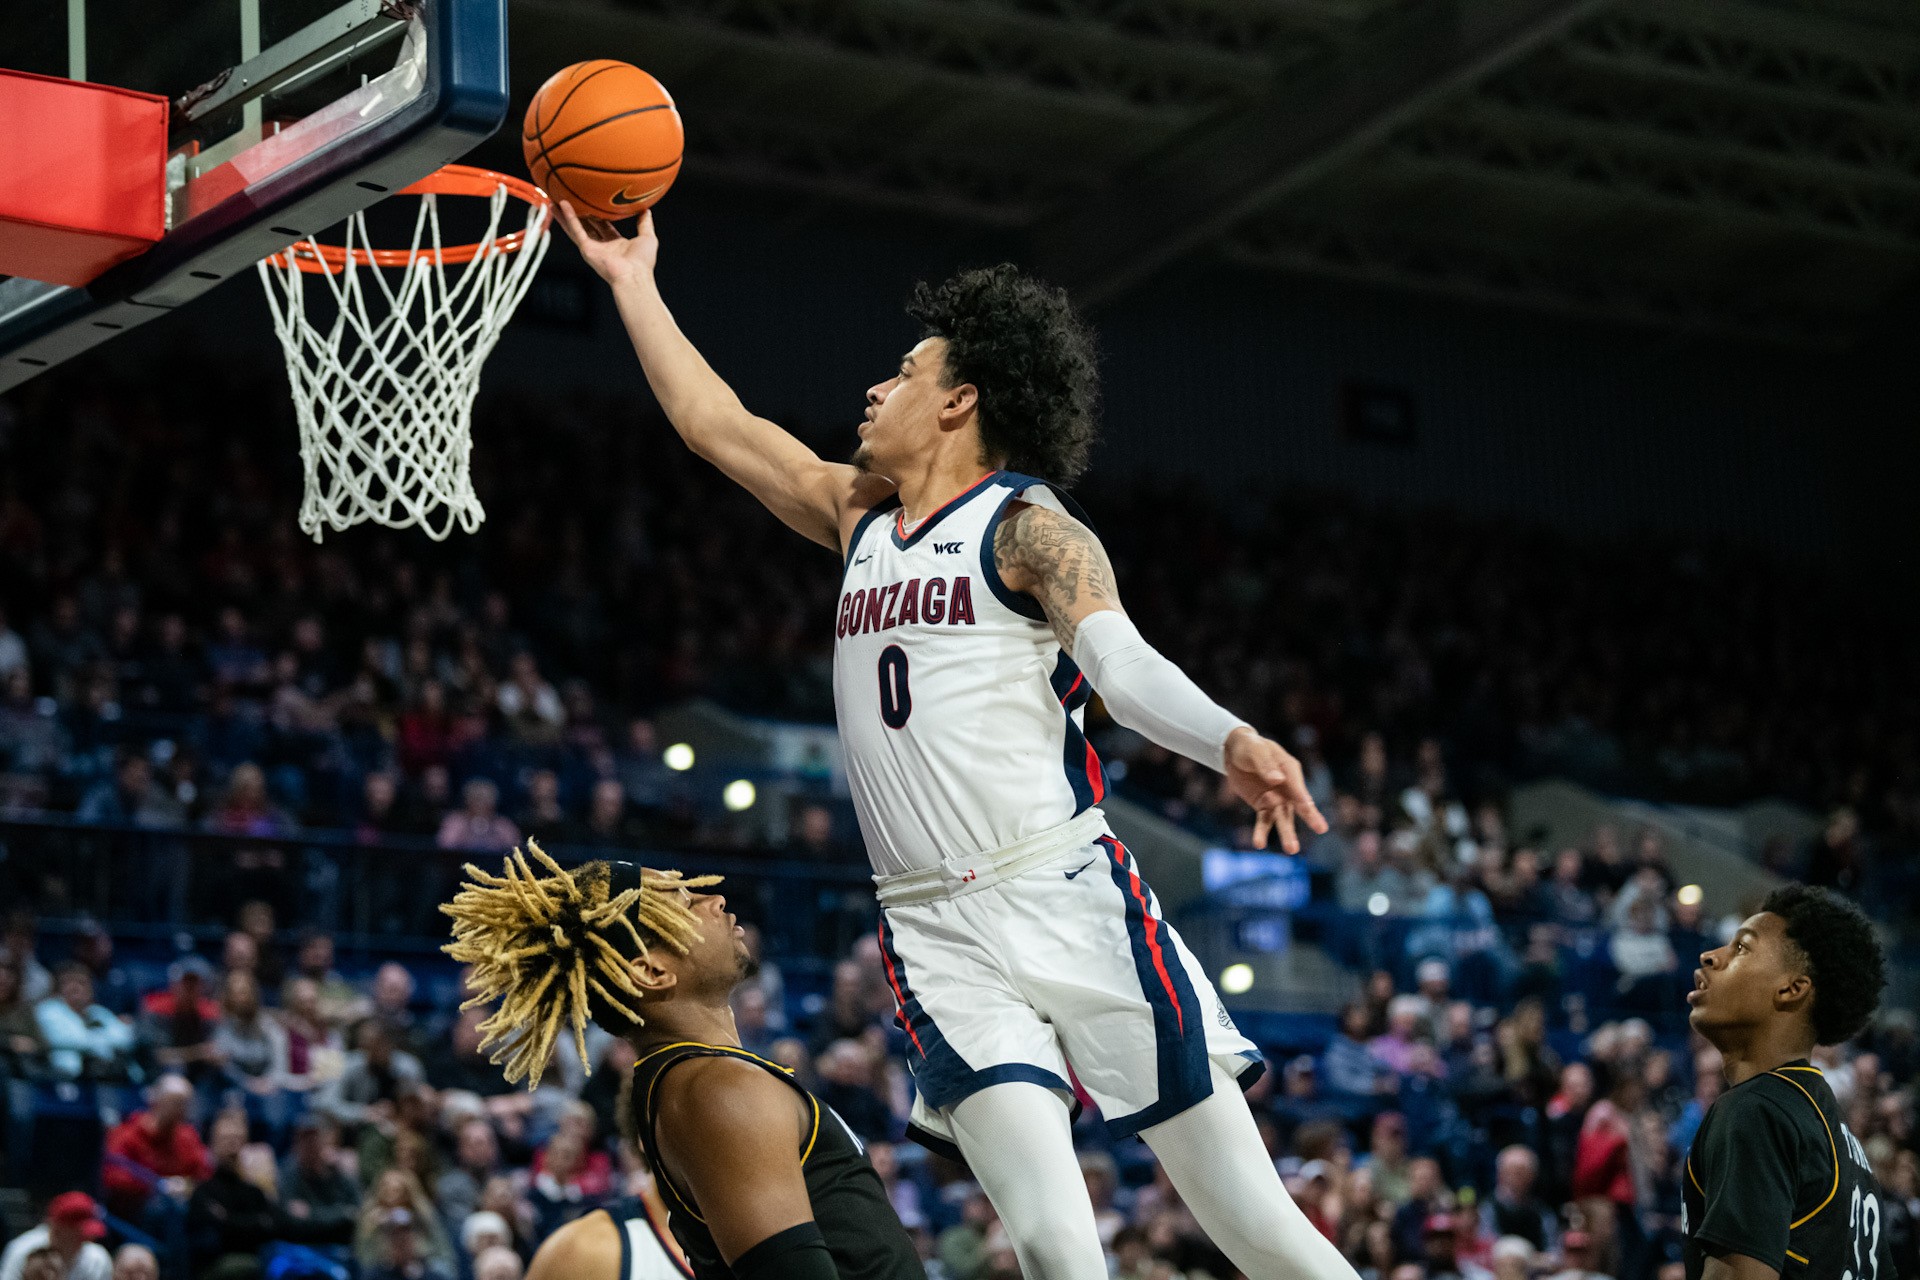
{"points": [[603, 136]]}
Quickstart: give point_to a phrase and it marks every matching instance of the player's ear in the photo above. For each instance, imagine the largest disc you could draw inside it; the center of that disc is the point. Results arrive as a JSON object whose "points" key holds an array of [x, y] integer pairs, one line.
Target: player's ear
{"points": [[1795, 992], [959, 401], [654, 979]]}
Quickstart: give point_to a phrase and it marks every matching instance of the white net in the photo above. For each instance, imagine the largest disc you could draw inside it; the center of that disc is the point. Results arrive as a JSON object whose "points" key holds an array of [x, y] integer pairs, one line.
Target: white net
{"points": [[384, 378]]}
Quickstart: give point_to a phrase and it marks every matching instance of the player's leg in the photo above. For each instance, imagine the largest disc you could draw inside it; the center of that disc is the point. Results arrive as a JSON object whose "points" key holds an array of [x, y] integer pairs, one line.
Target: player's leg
{"points": [[1018, 1142], [992, 1079], [1213, 1153]]}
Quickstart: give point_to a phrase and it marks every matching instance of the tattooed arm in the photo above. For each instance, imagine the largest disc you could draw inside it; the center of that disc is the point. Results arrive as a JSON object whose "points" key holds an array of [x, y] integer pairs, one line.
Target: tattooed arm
{"points": [[1057, 560]]}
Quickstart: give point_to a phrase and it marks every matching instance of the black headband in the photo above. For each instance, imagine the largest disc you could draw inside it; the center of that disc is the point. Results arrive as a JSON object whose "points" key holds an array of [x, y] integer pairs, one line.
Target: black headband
{"points": [[622, 876]]}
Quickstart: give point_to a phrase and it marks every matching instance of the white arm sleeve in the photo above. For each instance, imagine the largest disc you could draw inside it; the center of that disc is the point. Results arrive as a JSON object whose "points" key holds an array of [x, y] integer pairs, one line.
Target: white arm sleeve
{"points": [[1147, 693]]}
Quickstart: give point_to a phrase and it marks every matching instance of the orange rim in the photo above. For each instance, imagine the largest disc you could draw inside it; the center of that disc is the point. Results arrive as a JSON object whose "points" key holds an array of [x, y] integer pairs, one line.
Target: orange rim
{"points": [[452, 180]]}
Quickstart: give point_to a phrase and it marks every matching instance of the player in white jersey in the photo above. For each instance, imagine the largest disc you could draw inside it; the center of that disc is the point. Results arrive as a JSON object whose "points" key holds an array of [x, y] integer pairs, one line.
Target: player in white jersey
{"points": [[977, 613]]}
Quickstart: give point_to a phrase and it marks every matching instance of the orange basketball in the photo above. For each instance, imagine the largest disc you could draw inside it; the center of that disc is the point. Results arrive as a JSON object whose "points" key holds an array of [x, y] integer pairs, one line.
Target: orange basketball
{"points": [[603, 136]]}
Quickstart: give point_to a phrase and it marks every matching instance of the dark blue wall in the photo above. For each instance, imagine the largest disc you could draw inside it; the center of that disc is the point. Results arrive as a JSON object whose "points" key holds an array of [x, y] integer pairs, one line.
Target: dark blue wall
{"points": [[1235, 378]]}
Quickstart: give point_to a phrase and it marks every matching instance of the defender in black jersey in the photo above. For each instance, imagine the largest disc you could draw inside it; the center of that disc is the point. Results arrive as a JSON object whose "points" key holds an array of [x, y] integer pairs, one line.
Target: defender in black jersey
{"points": [[1774, 1184], [761, 1180]]}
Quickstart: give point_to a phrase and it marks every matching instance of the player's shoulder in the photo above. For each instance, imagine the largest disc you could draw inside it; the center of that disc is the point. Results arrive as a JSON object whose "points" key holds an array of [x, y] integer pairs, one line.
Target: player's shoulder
{"points": [[588, 1248], [1772, 1101], [719, 1095], [867, 492]]}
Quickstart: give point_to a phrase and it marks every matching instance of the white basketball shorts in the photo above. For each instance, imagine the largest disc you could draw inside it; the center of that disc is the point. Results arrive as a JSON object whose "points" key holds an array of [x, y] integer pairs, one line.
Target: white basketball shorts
{"points": [[1068, 966]]}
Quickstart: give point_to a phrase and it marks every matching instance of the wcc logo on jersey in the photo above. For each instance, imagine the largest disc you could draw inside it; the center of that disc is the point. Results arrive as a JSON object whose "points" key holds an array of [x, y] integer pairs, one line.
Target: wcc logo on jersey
{"points": [[929, 600]]}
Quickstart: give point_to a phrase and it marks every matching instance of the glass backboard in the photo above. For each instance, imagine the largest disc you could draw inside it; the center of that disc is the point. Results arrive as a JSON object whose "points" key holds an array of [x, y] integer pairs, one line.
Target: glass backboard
{"points": [[287, 116]]}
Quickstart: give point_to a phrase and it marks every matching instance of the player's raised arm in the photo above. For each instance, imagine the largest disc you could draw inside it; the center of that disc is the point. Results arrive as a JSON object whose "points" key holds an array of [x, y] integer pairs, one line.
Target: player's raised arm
{"points": [[1059, 562], [732, 1134], [809, 494]]}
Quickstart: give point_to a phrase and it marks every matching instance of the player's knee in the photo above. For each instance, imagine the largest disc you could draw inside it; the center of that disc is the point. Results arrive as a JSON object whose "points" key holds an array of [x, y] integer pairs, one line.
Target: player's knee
{"points": [[1050, 1254]]}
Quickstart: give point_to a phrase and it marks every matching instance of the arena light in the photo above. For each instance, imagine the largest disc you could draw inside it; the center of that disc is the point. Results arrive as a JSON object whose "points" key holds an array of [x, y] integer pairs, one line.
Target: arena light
{"points": [[678, 757], [1377, 905], [1689, 895], [739, 795], [1236, 979]]}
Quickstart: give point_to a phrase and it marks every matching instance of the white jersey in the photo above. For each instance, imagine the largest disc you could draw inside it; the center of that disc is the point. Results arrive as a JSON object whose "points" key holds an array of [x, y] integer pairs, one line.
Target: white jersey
{"points": [[960, 715]]}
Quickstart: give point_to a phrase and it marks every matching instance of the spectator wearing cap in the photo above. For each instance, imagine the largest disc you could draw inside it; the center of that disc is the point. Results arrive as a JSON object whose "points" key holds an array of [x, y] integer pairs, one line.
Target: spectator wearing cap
{"points": [[72, 1229], [398, 1206], [177, 1024], [395, 1248], [1311, 1188], [83, 1039], [1299, 1100], [1438, 1250]]}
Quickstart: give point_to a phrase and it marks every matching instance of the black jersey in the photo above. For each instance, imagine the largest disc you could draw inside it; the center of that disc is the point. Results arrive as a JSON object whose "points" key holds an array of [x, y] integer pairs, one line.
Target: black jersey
{"points": [[850, 1205], [1775, 1175]]}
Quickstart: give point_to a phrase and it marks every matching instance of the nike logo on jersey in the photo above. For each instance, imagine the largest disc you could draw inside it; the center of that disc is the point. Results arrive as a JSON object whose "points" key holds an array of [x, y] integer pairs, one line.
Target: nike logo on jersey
{"points": [[1077, 870], [899, 604], [946, 548], [863, 559]]}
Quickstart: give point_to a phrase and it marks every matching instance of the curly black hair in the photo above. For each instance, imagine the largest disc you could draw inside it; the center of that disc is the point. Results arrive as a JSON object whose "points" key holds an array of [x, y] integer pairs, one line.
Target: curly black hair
{"points": [[1841, 953], [1019, 342]]}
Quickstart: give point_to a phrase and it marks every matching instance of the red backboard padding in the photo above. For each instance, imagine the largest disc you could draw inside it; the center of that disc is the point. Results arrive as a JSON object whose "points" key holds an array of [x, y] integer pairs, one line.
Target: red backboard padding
{"points": [[84, 184]]}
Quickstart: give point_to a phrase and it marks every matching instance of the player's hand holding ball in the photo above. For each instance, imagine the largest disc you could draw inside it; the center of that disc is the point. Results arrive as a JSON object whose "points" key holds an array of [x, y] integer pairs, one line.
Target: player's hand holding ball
{"points": [[604, 140], [616, 258], [1266, 776]]}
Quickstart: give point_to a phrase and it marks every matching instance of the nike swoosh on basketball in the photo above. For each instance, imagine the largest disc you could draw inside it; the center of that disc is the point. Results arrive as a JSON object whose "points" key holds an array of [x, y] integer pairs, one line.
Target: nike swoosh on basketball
{"points": [[1077, 870], [621, 200]]}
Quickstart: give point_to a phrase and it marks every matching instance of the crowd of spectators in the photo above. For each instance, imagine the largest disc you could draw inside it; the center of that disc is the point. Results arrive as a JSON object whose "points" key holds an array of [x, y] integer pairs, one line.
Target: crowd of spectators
{"points": [[1505, 1101], [276, 1114], [158, 605]]}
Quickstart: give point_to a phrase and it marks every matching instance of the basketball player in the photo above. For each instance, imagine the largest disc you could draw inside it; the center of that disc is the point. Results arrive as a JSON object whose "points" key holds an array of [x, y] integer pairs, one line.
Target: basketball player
{"points": [[761, 1181], [1775, 1183], [621, 1241], [977, 615]]}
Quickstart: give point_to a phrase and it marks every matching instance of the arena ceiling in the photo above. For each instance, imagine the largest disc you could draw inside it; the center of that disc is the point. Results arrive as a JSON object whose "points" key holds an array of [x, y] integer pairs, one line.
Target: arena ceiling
{"points": [[1743, 166]]}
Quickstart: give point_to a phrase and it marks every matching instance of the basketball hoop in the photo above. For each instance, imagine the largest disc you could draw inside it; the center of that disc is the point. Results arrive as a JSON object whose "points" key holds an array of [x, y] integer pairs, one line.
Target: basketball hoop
{"points": [[383, 388]]}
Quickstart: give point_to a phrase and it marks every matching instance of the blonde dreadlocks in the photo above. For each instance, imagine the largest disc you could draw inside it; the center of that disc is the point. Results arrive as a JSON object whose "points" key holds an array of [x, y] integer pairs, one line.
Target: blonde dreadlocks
{"points": [[553, 947]]}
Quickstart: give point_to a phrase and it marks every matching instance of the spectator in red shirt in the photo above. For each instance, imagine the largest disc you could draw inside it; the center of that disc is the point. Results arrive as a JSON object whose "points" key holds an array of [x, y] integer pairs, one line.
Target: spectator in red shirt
{"points": [[1603, 1180], [153, 1160], [155, 1151]]}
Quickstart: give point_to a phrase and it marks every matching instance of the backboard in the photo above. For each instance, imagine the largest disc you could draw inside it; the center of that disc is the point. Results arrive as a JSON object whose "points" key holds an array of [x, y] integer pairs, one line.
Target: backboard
{"points": [[287, 116]]}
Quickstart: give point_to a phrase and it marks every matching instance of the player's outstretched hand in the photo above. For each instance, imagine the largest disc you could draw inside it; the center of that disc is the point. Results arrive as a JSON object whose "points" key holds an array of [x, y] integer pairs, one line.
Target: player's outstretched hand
{"points": [[1266, 776], [616, 258]]}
